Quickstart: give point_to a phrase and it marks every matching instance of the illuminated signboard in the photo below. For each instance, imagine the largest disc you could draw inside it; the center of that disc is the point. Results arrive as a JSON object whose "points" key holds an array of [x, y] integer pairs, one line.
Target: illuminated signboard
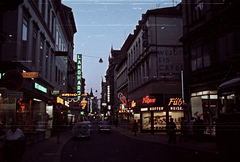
{"points": [[40, 87], [83, 103], [175, 102], [108, 93], [60, 100], [148, 100], [79, 74], [69, 94], [133, 104], [122, 98], [30, 74]]}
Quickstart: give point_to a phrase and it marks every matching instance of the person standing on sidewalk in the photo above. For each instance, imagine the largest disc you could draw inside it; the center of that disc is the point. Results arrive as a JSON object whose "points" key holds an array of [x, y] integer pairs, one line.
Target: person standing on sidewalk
{"points": [[14, 144], [116, 123], [171, 131], [135, 127]]}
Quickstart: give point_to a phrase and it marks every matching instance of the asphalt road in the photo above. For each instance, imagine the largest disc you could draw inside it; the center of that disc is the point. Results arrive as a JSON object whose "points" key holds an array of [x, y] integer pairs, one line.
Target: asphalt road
{"points": [[115, 147]]}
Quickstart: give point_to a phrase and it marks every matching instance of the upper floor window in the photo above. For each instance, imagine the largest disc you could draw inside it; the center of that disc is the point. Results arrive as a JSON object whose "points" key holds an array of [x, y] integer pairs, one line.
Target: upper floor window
{"points": [[226, 46], [24, 38], [198, 9], [43, 8], [24, 30], [49, 15], [200, 56]]}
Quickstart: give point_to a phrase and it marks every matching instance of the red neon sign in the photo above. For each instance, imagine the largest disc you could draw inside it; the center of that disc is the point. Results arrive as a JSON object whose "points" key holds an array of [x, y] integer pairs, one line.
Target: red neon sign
{"points": [[149, 100]]}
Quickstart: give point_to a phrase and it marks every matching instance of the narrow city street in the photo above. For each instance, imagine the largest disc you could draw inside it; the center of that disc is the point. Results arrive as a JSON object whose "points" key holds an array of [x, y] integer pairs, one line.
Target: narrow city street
{"points": [[104, 147]]}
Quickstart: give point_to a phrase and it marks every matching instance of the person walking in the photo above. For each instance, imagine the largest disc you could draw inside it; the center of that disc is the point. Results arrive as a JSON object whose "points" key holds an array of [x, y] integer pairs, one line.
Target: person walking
{"points": [[14, 144], [184, 130], [135, 127], [172, 131]]}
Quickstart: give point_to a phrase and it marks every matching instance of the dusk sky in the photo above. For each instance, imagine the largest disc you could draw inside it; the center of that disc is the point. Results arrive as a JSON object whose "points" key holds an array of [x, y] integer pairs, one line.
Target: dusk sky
{"points": [[102, 24]]}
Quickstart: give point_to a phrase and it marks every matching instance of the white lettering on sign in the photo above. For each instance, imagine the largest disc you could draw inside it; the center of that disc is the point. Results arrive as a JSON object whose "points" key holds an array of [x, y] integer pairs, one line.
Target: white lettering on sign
{"points": [[155, 108], [176, 108]]}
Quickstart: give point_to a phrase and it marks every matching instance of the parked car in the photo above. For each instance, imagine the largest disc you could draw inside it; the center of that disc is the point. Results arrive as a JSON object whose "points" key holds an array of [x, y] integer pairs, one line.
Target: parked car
{"points": [[104, 126], [81, 130], [40, 126], [89, 124]]}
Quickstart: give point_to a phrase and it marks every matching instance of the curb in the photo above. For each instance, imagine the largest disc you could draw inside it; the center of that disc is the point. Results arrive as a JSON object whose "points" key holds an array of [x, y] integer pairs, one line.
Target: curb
{"points": [[167, 144]]}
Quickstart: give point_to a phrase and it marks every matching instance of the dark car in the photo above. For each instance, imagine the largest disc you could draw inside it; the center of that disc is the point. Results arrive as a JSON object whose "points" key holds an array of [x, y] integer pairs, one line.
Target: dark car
{"points": [[104, 126]]}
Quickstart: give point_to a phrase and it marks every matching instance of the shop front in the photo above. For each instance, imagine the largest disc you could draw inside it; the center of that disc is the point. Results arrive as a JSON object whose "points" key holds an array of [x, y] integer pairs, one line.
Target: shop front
{"points": [[204, 105], [29, 104], [157, 110]]}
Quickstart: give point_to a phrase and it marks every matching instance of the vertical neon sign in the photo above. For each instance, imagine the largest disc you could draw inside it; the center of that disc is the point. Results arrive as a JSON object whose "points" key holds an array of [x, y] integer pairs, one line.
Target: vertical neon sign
{"points": [[79, 75]]}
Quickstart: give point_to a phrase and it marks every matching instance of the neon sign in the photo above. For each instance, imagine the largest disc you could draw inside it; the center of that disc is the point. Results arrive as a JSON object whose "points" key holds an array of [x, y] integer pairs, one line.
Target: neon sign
{"points": [[69, 94], [122, 98], [83, 103], [133, 104], [40, 87], [79, 75], [60, 100], [148, 100], [175, 101]]}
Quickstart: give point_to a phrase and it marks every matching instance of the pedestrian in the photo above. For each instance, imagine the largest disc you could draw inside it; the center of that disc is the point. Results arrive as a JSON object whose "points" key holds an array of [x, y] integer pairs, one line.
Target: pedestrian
{"points": [[135, 127], [14, 144], [198, 126], [171, 128], [184, 130], [191, 128], [116, 123]]}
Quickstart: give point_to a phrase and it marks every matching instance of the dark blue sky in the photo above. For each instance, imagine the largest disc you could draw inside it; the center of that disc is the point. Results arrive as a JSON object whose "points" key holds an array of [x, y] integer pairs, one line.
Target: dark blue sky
{"points": [[102, 24]]}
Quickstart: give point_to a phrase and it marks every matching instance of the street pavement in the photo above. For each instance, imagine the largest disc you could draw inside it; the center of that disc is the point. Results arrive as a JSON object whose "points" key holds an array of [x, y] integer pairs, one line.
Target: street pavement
{"points": [[49, 150]]}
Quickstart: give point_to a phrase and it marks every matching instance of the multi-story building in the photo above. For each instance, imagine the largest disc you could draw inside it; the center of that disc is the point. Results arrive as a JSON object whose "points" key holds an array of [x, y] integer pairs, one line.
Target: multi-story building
{"points": [[211, 44], [155, 62], [40, 48], [111, 83], [122, 82]]}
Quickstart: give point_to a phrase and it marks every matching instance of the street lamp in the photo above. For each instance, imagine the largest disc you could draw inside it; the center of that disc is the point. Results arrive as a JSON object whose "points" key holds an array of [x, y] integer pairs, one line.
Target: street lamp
{"points": [[100, 59]]}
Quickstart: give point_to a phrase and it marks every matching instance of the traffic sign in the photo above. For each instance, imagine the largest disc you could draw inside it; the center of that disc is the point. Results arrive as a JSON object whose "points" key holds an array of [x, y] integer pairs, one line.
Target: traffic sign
{"points": [[13, 80]]}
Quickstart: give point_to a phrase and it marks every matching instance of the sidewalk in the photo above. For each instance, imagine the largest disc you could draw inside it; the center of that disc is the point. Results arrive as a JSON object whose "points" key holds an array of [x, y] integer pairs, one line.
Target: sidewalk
{"points": [[47, 150], [162, 138]]}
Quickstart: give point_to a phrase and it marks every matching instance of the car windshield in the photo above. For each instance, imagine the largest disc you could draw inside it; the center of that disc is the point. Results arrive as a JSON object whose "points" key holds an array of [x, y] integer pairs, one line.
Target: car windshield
{"points": [[147, 69], [104, 123]]}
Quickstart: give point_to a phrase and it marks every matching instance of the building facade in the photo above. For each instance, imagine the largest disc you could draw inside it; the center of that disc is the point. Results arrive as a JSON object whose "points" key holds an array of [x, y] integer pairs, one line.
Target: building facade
{"points": [[211, 44], [40, 49], [154, 69]]}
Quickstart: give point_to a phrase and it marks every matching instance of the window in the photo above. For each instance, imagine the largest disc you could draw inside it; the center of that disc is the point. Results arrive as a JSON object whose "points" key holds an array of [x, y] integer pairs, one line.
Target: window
{"points": [[226, 46], [53, 23], [24, 38], [41, 54], [34, 44], [43, 9], [198, 9], [47, 61], [49, 15], [51, 64], [200, 56], [56, 73]]}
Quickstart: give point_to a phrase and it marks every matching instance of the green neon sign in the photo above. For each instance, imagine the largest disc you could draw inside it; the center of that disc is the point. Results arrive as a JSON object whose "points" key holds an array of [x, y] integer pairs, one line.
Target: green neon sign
{"points": [[40, 87]]}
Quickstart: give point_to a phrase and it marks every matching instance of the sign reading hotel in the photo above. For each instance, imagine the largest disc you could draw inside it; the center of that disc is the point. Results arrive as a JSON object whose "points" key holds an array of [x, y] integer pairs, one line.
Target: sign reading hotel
{"points": [[170, 61], [79, 75]]}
